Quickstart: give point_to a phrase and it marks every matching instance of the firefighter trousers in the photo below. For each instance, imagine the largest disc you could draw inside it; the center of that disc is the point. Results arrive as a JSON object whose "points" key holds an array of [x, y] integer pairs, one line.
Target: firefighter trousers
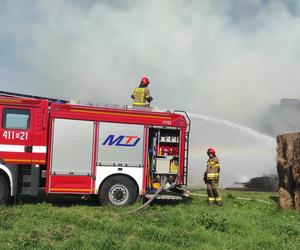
{"points": [[212, 193]]}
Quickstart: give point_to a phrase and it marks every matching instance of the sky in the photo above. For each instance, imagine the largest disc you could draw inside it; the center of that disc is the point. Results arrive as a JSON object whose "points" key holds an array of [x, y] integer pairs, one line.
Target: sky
{"points": [[227, 59]]}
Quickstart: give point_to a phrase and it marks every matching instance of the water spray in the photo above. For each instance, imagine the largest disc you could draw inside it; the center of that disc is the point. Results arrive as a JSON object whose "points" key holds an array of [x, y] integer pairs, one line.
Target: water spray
{"points": [[268, 140]]}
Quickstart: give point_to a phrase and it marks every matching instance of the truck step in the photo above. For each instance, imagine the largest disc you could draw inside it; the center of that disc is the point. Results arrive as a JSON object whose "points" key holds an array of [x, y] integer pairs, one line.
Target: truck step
{"points": [[25, 191], [24, 171], [25, 178]]}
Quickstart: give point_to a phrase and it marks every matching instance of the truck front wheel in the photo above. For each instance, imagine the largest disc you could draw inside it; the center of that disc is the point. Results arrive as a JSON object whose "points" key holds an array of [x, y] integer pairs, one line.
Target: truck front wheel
{"points": [[4, 190], [118, 191]]}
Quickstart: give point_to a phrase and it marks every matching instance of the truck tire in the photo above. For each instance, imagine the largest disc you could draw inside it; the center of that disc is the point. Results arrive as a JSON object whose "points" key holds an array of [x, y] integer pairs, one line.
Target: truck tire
{"points": [[4, 190], [118, 191]]}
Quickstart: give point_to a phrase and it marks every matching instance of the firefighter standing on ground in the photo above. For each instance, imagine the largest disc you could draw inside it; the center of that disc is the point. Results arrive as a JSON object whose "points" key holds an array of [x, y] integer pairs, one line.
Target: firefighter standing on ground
{"points": [[141, 95], [211, 178]]}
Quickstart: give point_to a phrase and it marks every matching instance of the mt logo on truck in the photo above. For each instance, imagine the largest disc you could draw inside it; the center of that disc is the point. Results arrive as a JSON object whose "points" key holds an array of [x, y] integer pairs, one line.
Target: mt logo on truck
{"points": [[122, 141]]}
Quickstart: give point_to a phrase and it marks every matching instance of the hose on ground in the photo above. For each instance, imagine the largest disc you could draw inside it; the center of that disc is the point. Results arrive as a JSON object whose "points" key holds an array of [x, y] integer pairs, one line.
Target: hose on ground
{"points": [[148, 202], [145, 205]]}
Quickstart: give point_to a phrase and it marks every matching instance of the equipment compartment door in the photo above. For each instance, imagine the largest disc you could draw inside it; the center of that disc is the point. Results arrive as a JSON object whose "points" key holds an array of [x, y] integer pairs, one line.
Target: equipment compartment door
{"points": [[120, 145], [72, 156]]}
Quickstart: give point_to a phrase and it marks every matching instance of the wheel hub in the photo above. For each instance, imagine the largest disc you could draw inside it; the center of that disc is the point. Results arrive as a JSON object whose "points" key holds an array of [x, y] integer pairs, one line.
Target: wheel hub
{"points": [[118, 194]]}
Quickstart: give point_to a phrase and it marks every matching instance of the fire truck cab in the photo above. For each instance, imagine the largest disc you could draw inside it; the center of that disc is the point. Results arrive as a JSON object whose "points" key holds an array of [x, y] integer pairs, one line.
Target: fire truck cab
{"points": [[116, 153]]}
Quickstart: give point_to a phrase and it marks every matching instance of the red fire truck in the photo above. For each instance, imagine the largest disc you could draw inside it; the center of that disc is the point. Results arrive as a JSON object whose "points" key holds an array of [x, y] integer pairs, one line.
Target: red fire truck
{"points": [[116, 153]]}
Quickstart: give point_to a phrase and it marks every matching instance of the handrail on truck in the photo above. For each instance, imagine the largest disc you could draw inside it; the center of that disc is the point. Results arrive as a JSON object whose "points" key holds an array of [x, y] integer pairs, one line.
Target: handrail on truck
{"points": [[187, 142], [13, 94]]}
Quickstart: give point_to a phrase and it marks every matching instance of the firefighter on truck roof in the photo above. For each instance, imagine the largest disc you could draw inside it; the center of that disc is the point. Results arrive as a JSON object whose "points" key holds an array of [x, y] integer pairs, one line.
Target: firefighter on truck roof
{"points": [[141, 95], [211, 178]]}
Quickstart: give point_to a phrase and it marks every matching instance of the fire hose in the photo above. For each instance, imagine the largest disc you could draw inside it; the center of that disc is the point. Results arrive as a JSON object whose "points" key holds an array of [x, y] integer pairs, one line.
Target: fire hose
{"points": [[145, 205]]}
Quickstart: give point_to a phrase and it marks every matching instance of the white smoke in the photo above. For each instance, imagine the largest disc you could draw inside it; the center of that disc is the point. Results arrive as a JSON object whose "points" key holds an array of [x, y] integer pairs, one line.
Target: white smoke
{"points": [[230, 59]]}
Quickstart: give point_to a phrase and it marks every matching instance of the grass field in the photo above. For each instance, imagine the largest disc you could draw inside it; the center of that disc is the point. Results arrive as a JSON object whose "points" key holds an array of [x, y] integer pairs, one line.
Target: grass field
{"points": [[73, 224]]}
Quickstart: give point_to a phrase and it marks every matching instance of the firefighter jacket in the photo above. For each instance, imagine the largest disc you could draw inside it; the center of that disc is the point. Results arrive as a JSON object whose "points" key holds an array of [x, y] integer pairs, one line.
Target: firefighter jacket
{"points": [[213, 169], [141, 96]]}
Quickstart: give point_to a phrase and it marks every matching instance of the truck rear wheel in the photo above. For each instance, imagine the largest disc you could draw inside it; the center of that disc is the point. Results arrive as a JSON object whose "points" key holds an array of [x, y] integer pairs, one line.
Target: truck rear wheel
{"points": [[118, 191], [4, 190]]}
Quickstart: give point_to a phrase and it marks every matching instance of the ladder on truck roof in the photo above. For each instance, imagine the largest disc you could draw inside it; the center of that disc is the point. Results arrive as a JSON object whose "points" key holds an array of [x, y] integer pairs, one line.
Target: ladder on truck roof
{"points": [[123, 107], [13, 94], [186, 148]]}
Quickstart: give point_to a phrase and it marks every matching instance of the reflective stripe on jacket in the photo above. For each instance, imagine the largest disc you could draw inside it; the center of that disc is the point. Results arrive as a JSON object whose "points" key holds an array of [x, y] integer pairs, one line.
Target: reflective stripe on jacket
{"points": [[211, 176]]}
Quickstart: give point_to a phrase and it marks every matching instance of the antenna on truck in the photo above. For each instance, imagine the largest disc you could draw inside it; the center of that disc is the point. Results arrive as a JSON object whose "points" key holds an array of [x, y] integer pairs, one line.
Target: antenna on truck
{"points": [[12, 94]]}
